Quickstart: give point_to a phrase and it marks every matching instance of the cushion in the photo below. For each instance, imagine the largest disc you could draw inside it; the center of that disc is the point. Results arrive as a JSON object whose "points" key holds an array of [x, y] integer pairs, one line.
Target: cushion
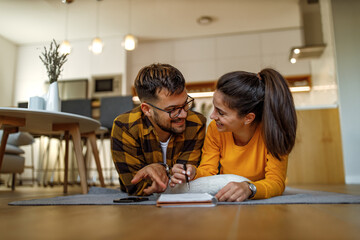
{"points": [[13, 149], [210, 184], [12, 164], [19, 138]]}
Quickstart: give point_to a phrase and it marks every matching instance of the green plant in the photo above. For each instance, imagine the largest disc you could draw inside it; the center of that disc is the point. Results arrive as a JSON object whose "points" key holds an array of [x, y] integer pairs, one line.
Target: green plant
{"points": [[53, 61], [205, 108]]}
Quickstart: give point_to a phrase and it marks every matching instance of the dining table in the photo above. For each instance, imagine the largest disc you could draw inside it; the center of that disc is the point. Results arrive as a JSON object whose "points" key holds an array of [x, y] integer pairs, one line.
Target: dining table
{"points": [[50, 123]]}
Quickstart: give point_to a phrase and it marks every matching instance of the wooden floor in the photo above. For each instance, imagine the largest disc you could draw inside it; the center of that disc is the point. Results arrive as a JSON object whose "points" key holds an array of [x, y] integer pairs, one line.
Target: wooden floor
{"points": [[316, 221]]}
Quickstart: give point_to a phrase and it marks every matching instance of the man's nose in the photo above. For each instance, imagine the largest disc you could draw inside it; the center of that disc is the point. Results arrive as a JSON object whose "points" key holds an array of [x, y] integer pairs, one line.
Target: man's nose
{"points": [[183, 113]]}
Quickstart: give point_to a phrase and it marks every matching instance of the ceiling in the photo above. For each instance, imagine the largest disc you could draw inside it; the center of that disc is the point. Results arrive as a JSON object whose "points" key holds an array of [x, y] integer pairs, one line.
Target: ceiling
{"points": [[33, 21]]}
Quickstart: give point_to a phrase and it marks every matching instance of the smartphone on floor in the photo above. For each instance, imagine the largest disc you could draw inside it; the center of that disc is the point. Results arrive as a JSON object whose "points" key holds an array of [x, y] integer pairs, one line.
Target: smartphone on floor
{"points": [[130, 199]]}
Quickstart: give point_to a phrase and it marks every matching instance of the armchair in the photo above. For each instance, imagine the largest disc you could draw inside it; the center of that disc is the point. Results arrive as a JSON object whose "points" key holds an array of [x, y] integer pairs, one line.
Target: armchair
{"points": [[13, 161]]}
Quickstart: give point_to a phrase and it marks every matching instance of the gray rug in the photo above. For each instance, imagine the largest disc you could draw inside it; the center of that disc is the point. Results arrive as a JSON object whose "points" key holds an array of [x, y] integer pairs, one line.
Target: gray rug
{"points": [[105, 196]]}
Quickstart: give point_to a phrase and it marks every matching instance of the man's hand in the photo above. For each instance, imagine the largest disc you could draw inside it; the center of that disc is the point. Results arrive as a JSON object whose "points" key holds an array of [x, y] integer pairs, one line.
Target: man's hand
{"points": [[157, 173], [234, 192]]}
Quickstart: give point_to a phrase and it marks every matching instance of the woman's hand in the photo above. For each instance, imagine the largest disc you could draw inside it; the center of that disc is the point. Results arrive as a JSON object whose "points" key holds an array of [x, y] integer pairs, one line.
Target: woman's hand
{"points": [[234, 192], [178, 172]]}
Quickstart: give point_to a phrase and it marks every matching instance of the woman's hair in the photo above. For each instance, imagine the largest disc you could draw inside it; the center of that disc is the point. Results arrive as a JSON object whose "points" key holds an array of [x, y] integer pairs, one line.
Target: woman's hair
{"points": [[267, 95], [156, 77]]}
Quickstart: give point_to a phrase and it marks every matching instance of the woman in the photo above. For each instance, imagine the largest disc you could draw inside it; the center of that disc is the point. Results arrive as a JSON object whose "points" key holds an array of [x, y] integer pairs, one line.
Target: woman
{"points": [[252, 132]]}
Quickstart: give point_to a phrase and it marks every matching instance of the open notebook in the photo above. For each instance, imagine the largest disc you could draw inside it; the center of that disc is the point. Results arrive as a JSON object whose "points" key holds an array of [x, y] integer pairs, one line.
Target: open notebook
{"points": [[186, 200]]}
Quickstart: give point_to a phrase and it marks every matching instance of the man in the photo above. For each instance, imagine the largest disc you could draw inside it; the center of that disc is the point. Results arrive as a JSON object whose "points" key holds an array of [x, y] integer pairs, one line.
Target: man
{"points": [[147, 141]]}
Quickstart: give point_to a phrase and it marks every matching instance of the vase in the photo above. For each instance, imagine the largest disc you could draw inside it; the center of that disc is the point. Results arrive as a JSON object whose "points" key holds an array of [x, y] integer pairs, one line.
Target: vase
{"points": [[53, 102]]}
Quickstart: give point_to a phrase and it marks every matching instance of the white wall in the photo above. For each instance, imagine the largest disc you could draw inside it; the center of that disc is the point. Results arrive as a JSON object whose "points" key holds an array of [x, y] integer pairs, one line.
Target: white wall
{"points": [[347, 38], [7, 71], [206, 59], [31, 73]]}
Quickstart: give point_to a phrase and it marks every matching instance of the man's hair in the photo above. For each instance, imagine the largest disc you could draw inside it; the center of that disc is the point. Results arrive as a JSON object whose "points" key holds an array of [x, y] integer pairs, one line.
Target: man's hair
{"points": [[156, 77]]}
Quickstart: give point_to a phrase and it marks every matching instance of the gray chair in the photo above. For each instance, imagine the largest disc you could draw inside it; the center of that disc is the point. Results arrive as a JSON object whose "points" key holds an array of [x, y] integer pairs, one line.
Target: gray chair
{"points": [[82, 107], [13, 161], [22, 104], [111, 107], [77, 106]]}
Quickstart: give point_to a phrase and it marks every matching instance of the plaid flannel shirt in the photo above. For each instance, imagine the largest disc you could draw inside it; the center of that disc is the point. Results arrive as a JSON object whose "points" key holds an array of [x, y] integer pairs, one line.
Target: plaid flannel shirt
{"points": [[135, 144]]}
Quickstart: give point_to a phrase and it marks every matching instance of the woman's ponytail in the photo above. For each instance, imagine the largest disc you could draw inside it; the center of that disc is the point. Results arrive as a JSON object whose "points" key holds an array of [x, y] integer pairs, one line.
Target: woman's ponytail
{"points": [[279, 115]]}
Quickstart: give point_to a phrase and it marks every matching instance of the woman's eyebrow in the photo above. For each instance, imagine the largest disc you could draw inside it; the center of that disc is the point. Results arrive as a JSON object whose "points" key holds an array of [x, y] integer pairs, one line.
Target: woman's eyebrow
{"points": [[219, 109], [215, 106]]}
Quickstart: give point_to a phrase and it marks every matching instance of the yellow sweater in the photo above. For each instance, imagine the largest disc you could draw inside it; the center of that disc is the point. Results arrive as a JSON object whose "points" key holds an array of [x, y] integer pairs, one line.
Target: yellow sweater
{"points": [[251, 161]]}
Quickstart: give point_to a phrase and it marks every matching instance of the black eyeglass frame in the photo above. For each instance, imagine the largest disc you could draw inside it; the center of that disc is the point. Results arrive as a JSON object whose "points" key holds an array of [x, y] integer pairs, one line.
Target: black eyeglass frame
{"points": [[180, 108]]}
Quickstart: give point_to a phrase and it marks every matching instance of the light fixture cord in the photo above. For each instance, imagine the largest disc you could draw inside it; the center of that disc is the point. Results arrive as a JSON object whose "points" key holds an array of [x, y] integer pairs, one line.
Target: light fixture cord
{"points": [[129, 21], [66, 20], [97, 17]]}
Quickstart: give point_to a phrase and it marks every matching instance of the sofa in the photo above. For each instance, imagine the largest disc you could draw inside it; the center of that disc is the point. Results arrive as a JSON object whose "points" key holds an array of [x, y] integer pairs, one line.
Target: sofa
{"points": [[14, 161]]}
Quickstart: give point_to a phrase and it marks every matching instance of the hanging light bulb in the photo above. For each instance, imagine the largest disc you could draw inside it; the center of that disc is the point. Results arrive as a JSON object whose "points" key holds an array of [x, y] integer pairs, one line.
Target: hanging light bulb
{"points": [[129, 42], [65, 47], [296, 51], [96, 46], [293, 60]]}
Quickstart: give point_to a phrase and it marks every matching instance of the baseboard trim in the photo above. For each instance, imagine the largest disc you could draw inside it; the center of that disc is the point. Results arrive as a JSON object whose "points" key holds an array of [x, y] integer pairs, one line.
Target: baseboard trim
{"points": [[352, 179]]}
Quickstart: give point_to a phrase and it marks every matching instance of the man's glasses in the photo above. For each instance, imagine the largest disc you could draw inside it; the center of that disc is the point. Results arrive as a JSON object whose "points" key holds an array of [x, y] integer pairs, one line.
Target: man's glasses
{"points": [[175, 112]]}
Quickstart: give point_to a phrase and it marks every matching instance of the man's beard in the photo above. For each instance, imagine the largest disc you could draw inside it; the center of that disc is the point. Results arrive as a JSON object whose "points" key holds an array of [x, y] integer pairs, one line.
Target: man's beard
{"points": [[165, 128]]}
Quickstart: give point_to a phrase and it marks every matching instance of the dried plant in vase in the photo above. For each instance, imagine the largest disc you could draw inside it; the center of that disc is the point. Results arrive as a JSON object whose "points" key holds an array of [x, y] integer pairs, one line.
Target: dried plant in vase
{"points": [[53, 61]]}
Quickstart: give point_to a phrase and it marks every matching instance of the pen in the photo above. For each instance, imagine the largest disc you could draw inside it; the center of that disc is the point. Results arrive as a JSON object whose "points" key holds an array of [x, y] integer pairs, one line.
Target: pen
{"points": [[186, 177]]}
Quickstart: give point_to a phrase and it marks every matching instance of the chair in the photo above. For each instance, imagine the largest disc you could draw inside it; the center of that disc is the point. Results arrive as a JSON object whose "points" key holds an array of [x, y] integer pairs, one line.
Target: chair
{"points": [[81, 107], [13, 161], [111, 107], [22, 104], [77, 106], [32, 165]]}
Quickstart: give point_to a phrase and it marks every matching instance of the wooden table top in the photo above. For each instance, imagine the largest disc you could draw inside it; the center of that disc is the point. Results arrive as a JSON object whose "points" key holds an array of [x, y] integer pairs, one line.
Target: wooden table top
{"points": [[41, 121]]}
